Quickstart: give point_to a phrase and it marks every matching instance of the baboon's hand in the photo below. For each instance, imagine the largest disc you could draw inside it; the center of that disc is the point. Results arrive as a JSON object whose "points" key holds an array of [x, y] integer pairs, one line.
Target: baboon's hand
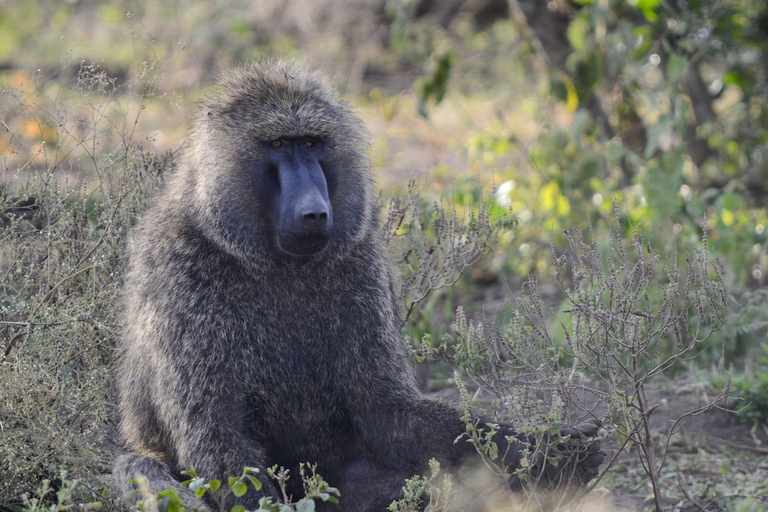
{"points": [[576, 464], [581, 459], [573, 462], [587, 428]]}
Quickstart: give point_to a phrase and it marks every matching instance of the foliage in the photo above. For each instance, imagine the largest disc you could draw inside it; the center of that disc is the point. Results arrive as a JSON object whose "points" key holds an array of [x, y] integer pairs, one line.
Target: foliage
{"points": [[315, 488], [753, 389], [65, 497], [61, 250], [434, 245], [665, 110], [615, 339], [426, 493], [435, 84], [670, 117], [747, 321], [659, 106]]}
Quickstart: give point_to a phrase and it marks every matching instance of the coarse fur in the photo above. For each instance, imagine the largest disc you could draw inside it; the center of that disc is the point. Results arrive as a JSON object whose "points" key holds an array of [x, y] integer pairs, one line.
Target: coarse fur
{"points": [[236, 353]]}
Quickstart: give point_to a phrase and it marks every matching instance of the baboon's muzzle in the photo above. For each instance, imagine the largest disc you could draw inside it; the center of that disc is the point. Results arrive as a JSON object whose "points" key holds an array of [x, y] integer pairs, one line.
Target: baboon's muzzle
{"points": [[306, 215]]}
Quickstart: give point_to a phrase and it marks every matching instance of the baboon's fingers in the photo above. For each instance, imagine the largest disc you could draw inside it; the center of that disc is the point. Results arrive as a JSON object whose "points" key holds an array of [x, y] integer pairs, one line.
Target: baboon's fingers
{"points": [[589, 467], [515, 484], [586, 428], [596, 456]]}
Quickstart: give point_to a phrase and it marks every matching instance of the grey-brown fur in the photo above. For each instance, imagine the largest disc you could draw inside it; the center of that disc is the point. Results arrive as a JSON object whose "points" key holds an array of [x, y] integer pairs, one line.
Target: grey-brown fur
{"points": [[235, 356]]}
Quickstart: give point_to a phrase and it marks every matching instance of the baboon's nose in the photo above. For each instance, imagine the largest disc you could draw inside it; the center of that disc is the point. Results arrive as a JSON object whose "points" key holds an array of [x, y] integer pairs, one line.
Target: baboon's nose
{"points": [[315, 219]]}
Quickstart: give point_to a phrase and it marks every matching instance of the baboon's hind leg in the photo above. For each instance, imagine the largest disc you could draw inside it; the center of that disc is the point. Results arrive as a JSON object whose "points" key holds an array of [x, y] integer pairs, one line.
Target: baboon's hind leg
{"points": [[159, 478]]}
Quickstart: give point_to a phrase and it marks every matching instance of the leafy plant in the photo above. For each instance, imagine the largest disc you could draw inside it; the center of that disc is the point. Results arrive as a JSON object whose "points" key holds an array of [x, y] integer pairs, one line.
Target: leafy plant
{"points": [[315, 488], [40, 501], [434, 244], [752, 387], [611, 341], [77, 174], [431, 493]]}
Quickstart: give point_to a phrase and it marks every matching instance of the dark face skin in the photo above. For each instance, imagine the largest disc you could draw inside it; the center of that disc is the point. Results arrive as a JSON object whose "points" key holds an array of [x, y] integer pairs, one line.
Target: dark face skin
{"points": [[300, 187]]}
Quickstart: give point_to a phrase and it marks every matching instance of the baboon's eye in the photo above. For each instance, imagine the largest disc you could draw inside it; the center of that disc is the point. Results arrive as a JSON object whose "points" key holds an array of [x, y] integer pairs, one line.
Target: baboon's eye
{"points": [[309, 144], [277, 143]]}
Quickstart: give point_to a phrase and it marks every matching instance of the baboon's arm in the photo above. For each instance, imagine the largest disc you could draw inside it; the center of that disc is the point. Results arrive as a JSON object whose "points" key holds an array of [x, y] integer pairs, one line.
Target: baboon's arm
{"points": [[409, 429], [408, 432], [209, 433]]}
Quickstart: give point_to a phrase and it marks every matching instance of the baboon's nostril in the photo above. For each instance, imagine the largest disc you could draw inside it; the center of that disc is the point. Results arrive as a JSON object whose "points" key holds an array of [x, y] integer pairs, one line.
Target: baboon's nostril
{"points": [[315, 219]]}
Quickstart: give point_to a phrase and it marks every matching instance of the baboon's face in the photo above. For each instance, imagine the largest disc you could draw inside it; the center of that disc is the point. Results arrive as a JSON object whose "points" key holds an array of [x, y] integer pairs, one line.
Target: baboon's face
{"points": [[300, 181], [278, 166]]}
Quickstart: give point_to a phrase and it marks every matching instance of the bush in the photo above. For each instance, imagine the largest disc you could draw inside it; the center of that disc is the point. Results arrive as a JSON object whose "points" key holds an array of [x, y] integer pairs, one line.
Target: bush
{"points": [[613, 339], [76, 180]]}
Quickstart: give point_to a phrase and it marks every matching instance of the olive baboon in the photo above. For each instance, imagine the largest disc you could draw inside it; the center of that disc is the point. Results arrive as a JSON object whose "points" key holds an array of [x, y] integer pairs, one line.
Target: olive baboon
{"points": [[261, 320]]}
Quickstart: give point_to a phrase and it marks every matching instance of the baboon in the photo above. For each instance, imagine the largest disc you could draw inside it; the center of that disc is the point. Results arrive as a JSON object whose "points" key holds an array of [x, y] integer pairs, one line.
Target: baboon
{"points": [[261, 319]]}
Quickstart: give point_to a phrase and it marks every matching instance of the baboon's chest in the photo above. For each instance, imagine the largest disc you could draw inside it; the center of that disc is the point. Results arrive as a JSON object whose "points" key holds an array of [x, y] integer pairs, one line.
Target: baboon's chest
{"points": [[293, 362], [299, 342], [299, 413]]}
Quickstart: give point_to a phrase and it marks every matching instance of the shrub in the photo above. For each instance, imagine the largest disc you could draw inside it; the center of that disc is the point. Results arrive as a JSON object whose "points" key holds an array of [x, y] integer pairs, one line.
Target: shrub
{"points": [[75, 181], [613, 338]]}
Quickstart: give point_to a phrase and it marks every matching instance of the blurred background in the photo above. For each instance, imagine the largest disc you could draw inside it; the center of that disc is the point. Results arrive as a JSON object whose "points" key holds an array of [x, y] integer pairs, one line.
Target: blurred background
{"points": [[556, 109], [563, 105]]}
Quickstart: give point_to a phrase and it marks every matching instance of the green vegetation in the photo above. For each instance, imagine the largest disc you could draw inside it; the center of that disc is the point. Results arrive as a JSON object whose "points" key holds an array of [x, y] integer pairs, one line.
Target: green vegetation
{"points": [[315, 488], [626, 145]]}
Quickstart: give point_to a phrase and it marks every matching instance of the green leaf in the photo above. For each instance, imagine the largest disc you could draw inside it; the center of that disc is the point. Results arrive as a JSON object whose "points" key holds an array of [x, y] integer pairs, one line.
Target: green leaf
{"points": [[739, 79], [255, 482], [577, 33], [663, 127], [163, 504], [676, 65], [239, 489], [644, 40], [305, 505], [661, 184], [732, 201], [435, 85], [214, 485], [571, 95], [615, 150], [168, 501], [648, 8], [232, 481], [238, 508], [326, 495], [586, 70], [265, 501], [196, 484]]}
